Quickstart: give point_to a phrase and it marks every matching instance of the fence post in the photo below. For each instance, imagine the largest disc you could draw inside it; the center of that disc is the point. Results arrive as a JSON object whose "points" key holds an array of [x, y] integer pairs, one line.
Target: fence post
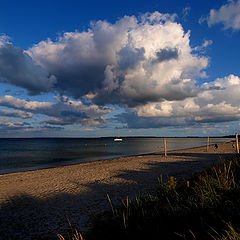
{"points": [[237, 143], [207, 144], [165, 147]]}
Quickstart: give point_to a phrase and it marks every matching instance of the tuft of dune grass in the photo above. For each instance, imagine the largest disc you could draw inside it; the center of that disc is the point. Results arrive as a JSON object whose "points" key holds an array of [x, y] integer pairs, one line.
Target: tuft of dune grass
{"points": [[204, 207]]}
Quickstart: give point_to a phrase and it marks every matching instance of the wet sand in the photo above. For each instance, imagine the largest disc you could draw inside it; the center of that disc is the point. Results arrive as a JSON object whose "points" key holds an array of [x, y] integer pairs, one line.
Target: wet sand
{"points": [[35, 204]]}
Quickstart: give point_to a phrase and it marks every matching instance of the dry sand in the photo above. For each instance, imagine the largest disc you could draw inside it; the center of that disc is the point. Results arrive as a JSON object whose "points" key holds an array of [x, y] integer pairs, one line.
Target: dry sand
{"points": [[35, 204]]}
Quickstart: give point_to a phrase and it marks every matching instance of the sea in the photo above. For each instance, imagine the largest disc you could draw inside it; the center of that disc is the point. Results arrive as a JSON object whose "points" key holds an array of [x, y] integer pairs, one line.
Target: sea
{"points": [[23, 154]]}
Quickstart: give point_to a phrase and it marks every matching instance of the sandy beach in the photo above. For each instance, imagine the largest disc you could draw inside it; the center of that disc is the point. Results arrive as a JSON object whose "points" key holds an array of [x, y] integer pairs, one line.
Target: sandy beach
{"points": [[35, 204]]}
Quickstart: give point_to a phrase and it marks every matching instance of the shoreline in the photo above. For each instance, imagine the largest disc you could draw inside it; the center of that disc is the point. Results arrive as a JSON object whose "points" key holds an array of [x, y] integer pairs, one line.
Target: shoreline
{"points": [[38, 201], [93, 161], [104, 159]]}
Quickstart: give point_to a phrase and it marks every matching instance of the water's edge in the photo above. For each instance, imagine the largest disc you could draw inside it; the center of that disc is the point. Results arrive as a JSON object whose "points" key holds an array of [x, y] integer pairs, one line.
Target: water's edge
{"points": [[36, 154]]}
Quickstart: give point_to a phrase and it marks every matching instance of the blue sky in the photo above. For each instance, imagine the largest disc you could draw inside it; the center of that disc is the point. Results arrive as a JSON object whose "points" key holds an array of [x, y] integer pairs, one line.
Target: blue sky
{"points": [[86, 69]]}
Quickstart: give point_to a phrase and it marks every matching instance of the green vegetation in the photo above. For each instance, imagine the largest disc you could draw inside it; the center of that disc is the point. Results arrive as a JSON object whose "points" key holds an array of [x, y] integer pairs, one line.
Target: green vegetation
{"points": [[206, 207]]}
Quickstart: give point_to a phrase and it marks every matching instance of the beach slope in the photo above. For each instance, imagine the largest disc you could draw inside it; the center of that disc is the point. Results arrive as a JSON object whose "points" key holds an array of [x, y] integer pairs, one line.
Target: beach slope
{"points": [[36, 204]]}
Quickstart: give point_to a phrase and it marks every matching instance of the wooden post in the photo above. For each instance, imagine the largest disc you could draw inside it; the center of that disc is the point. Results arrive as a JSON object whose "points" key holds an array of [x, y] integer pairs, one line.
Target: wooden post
{"points": [[207, 144], [237, 146], [165, 147]]}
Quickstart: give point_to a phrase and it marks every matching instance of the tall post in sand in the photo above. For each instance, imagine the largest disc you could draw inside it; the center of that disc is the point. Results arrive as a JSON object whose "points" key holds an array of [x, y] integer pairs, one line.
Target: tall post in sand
{"points": [[237, 146], [207, 144], [165, 147]]}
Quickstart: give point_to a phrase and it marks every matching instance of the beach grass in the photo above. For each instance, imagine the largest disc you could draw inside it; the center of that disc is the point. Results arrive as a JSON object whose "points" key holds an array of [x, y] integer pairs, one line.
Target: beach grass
{"points": [[205, 207]]}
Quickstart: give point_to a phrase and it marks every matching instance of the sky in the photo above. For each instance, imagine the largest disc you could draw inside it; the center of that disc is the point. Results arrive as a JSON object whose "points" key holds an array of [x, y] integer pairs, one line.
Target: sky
{"points": [[135, 68]]}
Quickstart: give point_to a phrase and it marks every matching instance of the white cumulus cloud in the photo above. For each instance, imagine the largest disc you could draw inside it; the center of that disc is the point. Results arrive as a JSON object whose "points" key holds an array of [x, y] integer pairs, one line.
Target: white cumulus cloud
{"points": [[228, 15], [64, 111], [17, 68], [130, 62], [218, 101], [145, 65]]}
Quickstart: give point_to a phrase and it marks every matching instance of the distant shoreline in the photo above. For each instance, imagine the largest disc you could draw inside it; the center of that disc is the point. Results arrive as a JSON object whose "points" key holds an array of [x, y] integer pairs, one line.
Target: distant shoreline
{"points": [[230, 136]]}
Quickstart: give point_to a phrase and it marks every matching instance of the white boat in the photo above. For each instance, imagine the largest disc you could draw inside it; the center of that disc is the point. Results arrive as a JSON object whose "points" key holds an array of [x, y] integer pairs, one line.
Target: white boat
{"points": [[117, 139]]}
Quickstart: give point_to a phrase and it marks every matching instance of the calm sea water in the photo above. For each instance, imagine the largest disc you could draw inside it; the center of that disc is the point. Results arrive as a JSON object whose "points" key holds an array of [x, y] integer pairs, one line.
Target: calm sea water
{"points": [[29, 154]]}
